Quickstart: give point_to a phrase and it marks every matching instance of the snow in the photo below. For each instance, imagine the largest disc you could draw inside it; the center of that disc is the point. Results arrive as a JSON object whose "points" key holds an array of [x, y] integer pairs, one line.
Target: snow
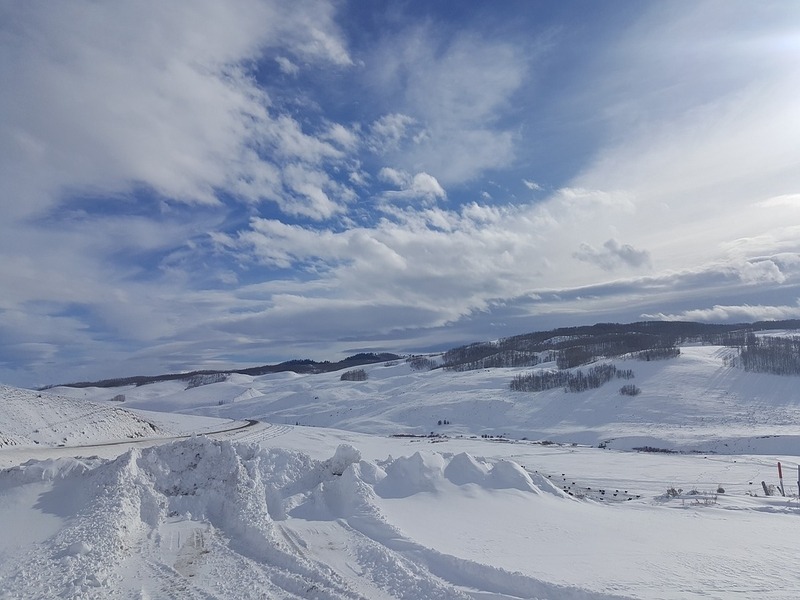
{"points": [[114, 500]]}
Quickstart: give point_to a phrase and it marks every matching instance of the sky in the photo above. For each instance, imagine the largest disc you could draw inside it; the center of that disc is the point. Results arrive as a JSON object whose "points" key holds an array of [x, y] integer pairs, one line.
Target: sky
{"points": [[208, 185]]}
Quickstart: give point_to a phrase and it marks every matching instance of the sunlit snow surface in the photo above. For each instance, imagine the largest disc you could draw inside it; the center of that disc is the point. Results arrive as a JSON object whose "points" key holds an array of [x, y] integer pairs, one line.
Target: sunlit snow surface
{"points": [[337, 508]]}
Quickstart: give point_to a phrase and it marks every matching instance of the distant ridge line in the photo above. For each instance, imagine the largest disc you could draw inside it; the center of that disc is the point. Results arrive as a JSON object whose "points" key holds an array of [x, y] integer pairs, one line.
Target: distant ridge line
{"points": [[674, 331], [302, 366]]}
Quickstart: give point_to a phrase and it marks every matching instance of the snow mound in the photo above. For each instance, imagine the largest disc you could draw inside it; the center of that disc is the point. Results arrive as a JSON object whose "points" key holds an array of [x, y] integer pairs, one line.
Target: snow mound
{"points": [[429, 472], [506, 474], [248, 394], [345, 456], [171, 503], [199, 518], [543, 484], [463, 468], [409, 475]]}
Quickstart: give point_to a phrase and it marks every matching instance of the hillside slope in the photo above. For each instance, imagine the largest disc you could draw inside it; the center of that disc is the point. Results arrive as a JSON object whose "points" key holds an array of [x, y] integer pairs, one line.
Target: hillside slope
{"points": [[30, 418], [695, 401]]}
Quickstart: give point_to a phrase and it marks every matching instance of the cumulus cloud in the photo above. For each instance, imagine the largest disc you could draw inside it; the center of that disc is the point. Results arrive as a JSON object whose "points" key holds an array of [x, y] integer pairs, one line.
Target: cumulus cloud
{"points": [[613, 255], [761, 271], [421, 186], [439, 260], [739, 313]]}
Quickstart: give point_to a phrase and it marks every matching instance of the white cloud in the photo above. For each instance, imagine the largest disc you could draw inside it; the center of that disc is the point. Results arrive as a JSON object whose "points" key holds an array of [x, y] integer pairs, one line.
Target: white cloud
{"points": [[532, 185], [421, 186], [782, 201], [761, 271], [103, 102], [695, 150], [342, 136], [425, 185], [613, 255], [393, 176], [101, 98], [456, 88], [287, 66], [387, 133], [736, 314]]}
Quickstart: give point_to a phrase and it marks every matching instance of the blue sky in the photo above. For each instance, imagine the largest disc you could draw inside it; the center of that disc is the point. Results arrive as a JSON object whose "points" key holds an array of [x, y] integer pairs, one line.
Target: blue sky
{"points": [[208, 185]]}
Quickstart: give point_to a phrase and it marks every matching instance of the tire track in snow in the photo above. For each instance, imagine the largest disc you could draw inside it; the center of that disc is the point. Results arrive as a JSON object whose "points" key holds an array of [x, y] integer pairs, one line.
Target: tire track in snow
{"points": [[158, 440], [260, 431], [366, 565]]}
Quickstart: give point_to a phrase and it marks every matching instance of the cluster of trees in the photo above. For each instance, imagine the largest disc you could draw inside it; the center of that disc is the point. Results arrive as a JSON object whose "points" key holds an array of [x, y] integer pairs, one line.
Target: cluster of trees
{"points": [[421, 363], [488, 355], [629, 390], [354, 375], [571, 382], [574, 356], [658, 353], [575, 346], [205, 379], [502, 359], [779, 356]]}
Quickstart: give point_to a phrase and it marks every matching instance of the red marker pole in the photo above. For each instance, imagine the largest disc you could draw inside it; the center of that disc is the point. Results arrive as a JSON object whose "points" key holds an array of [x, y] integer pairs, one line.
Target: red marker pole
{"points": [[780, 477]]}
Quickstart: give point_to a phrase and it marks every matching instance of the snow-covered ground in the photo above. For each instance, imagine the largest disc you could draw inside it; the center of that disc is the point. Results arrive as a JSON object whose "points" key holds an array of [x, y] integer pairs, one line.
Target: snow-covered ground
{"points": [[320, 500]]}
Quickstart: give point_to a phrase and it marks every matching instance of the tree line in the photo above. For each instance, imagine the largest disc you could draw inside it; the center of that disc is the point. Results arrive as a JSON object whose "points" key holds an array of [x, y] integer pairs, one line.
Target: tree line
{"points": [[577, 381], [778, 356]]}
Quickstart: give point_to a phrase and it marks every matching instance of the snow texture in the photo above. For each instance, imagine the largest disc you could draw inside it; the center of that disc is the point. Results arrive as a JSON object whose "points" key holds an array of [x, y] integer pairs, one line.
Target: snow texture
{"points": [[97, 502]]}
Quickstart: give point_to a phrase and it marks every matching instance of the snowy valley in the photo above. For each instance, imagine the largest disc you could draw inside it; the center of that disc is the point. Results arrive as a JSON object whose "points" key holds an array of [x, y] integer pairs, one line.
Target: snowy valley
{"points": [[408, 484]]}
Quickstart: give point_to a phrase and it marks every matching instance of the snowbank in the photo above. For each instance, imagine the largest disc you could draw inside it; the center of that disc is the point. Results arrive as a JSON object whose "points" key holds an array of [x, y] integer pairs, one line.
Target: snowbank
{"points": [[165, 508]]}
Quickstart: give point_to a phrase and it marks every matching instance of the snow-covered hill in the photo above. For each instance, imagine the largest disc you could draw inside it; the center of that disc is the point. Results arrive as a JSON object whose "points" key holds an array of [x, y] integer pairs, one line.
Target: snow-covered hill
{"points": [[31, 418], [47, 419], [694, 402]]}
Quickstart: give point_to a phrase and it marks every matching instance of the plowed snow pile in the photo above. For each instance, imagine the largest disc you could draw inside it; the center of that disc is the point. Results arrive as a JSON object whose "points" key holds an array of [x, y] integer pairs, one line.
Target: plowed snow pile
{"points": [[205, 519]]}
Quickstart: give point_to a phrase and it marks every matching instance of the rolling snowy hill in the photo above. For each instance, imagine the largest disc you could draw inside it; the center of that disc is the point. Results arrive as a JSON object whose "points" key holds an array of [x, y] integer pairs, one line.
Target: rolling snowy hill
{"points": [[695, 402]]}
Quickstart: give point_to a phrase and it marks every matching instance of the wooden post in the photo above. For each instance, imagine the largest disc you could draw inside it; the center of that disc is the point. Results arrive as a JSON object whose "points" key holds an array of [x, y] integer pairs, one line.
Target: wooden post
{"points": [[780, 478]]}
